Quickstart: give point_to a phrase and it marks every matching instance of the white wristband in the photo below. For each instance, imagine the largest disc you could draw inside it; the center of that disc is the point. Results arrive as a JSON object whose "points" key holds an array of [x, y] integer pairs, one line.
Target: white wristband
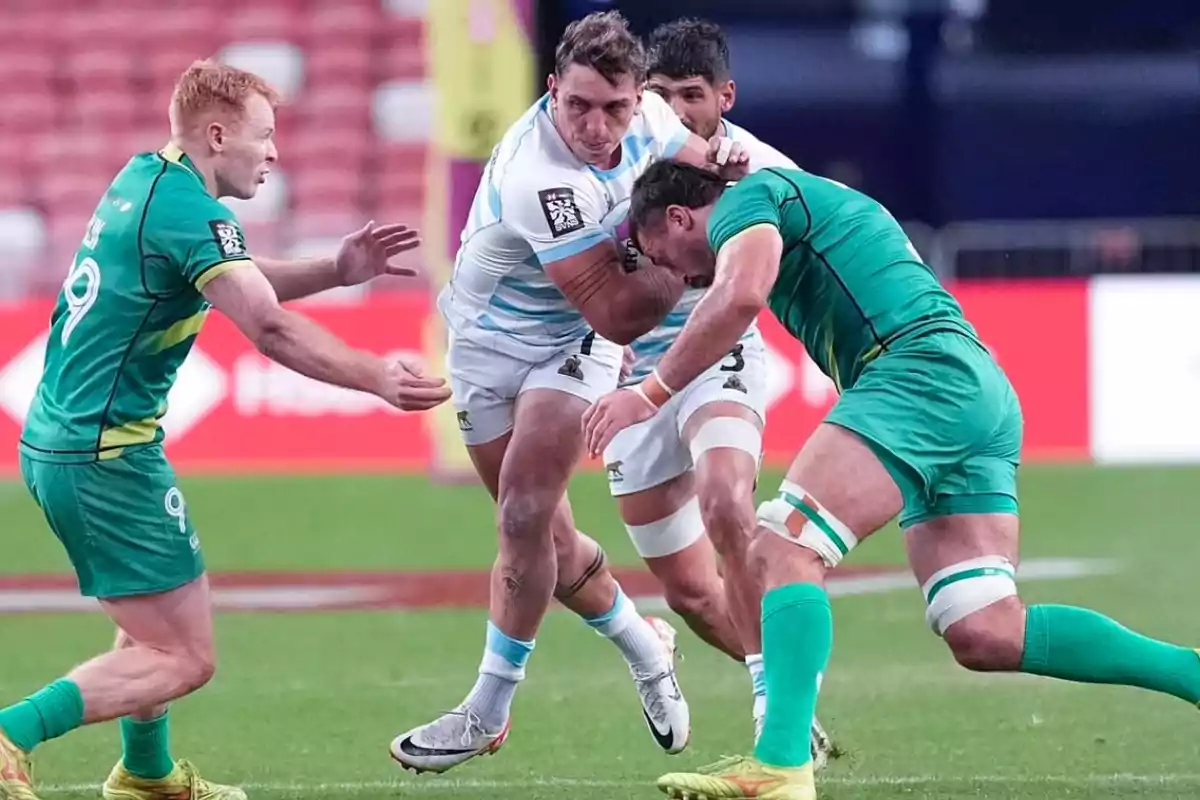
{"points": [[670, 392]]}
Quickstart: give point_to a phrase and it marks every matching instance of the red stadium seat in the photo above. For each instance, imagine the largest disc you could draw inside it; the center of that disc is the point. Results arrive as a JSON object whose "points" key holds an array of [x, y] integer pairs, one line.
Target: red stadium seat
{"points": [[91, 70], [263, 238], [330, 224], [35, 25], [107, 111], [409, 159], [35, 112], [326, 191], [73, 192], [344, 111], [25, 67], [196, 32], [14, 189], [313, 148], [69, 163], [85, 28], [343, 21], [337, 65], [269, 23], [403, 49]]}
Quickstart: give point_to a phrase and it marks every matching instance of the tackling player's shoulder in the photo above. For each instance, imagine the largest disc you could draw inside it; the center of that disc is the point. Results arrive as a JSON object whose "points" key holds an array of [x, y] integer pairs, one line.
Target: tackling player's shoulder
{"points": [[757, 199]]}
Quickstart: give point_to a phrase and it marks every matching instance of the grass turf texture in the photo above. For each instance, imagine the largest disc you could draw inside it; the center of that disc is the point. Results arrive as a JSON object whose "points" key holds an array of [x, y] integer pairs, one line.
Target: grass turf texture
{"points": [[304, 705]]}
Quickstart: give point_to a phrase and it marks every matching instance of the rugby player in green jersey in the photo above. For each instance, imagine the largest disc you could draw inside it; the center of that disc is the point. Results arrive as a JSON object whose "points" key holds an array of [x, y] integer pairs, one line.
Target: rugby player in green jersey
{"points": [[927, 427], [158, 252]]}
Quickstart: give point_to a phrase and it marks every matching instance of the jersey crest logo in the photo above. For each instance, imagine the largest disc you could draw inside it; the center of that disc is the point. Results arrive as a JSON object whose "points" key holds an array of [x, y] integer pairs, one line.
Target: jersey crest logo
{"points": [[562, 214], [735, 383], [229, 238], [572, 368], [464, 421], [614, 471]]}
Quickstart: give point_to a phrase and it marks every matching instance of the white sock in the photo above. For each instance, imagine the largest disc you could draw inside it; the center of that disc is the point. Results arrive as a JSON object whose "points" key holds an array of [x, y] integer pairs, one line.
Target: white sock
{"points": [[758, 683], [502, 668], [632, 634]]}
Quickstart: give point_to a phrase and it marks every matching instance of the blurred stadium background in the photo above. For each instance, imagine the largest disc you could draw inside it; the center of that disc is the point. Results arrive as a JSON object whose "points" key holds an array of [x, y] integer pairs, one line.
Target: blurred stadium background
{"points": [[1045, 158], [1032, 154]]}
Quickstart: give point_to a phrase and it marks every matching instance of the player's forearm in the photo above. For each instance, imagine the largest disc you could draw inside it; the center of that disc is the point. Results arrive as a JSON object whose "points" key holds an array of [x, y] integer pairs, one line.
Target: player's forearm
{"points": [[300, 344], [644, 299], [297, 278], [713, 329]]}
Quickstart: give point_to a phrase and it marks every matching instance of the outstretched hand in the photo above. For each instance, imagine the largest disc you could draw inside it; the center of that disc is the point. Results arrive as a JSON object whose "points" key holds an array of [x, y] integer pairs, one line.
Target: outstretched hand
{"points": [[367, 253]]}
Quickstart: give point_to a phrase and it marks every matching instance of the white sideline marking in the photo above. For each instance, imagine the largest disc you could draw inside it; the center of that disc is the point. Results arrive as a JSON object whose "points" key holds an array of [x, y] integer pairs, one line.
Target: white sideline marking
{"points": [[1035, 569], [434, 784], [311, 598]]}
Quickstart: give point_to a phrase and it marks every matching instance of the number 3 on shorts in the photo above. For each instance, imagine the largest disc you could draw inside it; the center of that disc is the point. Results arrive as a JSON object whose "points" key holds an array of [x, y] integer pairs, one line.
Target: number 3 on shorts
{"points": [[739, 363]]}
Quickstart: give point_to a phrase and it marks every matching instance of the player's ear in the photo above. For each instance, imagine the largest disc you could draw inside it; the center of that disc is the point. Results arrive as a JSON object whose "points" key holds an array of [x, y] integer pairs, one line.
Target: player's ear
{"points": [[678, 215], [216, 136], [726, 95], [552, 87]]}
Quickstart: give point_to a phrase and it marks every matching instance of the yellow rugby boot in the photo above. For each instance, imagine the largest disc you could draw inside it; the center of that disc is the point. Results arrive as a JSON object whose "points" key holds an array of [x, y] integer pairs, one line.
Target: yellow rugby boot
{"points": [[184, 783], [741, 778], [16, 774]]}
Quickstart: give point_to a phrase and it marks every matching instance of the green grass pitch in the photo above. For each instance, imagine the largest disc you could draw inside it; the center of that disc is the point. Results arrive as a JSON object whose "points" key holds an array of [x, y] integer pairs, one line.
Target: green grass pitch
{"points": [[305, 704]]}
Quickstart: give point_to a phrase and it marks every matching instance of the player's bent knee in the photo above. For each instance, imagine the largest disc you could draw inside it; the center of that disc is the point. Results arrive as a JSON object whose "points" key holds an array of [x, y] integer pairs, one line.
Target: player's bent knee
{"points": [[524, 517], [959, 590], [669, 535], [798, 517], [990, 640], [727, 432], [191, 669], [688, 598]]}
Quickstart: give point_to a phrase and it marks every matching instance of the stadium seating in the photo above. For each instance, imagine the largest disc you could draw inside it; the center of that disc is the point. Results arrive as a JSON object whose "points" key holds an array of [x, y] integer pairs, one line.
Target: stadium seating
{"points": [[87, 84]]}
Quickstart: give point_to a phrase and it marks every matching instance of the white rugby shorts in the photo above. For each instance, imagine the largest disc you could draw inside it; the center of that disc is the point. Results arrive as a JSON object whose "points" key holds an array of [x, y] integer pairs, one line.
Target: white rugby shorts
{"points": [[653, 452], [486, 383]]}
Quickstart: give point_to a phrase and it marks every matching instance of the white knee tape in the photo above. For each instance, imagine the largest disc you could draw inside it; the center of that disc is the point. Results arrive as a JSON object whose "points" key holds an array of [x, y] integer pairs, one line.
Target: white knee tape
{"points": [[670, 534], [796, 516], [961, 589], [733, 432]]}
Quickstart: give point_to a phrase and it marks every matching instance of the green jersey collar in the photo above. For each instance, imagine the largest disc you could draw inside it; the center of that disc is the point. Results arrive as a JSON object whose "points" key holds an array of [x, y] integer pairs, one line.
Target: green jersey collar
{"points": [[174, 154]]}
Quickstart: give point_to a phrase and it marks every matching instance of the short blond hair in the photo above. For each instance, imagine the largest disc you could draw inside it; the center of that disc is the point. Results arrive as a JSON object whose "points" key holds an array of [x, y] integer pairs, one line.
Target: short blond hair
{"points": [[209, 85]]}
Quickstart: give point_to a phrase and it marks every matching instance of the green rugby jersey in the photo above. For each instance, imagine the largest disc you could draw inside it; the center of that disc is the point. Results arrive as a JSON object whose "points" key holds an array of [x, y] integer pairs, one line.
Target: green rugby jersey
{"points": [[130, 310], [850, 282]]}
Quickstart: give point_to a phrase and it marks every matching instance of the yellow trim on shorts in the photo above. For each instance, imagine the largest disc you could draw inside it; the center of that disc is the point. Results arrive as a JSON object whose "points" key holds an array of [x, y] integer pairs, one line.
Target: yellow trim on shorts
{"points": [[219, 269]]}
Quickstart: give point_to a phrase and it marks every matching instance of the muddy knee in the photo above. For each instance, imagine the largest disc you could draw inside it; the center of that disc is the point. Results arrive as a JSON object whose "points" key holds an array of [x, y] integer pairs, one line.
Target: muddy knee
{"points": [[524, 519]]}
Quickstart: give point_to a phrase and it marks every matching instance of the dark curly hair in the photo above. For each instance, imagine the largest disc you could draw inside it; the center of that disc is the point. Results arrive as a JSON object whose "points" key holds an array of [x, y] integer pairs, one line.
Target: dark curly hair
{"points": [[688, 47]]}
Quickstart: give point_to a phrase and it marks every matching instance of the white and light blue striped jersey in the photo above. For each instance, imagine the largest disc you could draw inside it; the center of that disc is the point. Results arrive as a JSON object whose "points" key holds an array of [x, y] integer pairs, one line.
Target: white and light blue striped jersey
{"points": [[536, 204], [649, 349]]}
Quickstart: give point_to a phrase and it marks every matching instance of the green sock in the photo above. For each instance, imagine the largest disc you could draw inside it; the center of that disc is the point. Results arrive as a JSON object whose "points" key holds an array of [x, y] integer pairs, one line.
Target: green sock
{"points": [[797, 635], [47, 714], [1077, 644], [147, 748]]}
